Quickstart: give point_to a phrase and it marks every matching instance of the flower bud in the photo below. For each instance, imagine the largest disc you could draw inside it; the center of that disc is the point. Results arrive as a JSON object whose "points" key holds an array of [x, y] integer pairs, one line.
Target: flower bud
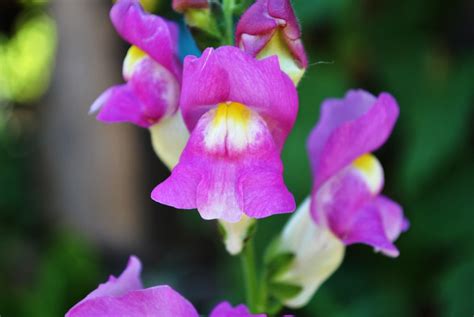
{"points": [[270, 27], [201, 18], [317, 254], [235, 234], [184, 5]]}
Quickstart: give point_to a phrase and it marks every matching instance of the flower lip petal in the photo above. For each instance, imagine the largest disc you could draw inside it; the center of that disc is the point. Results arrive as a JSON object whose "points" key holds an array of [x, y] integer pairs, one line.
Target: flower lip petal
{"points": [[128, 281], [125, 297], [349, 128], [151, 93], [346, 205], [228, 74], [153, 34], [119, 104], [154, 301], [229, 167]]}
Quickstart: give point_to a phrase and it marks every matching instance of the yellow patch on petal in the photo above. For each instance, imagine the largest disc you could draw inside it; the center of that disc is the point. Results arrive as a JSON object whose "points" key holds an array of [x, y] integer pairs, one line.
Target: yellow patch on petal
{"points": [[288, 64], [233, 127], [371, 170], [134, 55], [232, 111]]}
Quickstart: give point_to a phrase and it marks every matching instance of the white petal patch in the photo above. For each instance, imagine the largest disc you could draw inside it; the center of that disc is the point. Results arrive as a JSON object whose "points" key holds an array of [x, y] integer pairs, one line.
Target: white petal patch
{"points": [[233, 129]]}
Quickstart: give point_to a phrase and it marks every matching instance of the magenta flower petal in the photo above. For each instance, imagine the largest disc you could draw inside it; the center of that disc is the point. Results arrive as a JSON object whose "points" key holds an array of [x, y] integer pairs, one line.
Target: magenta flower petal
{"points": [[124, 297], [346, 205], [225, 309], [394, 222], [369, 228], [260, 22], [337, 203], [151, 93], [128, 281], [153, 34], [230, 167], [349, 128], [228, 74], [154, 301], [119, 104]]}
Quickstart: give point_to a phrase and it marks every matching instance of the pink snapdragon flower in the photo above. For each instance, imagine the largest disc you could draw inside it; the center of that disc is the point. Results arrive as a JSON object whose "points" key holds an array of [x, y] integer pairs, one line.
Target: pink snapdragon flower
{"points": [[151, 69], [240, 111], [125, 297], [345, 206], [152, 72], [347, 178], [270, 27]]}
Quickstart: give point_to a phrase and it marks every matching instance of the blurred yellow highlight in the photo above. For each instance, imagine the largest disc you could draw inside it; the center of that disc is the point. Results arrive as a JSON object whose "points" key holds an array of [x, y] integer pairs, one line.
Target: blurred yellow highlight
{"points": [[27, 59]]}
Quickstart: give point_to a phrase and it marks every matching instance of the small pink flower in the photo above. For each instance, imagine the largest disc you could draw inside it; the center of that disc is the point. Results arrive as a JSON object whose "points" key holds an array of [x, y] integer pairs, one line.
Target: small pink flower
{"points": [[240, 111]]}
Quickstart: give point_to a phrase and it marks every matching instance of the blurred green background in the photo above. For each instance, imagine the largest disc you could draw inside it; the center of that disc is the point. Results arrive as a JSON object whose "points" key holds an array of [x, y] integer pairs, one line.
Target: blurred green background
{"points": [[74, 199]]}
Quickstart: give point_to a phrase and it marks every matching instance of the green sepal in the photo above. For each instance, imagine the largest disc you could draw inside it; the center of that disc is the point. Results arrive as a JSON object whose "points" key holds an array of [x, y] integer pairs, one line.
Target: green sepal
{"points": [[251, 230], [276, 260], [284, 291], [222, 231], [273, 306], [279, 265]]}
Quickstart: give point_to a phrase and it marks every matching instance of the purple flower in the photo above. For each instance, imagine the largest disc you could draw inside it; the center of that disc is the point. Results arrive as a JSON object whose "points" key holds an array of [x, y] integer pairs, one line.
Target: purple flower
{"points": [[240, 111], [125, 297], [270, 27], [347, 178], [151, 69], [183, 5]]}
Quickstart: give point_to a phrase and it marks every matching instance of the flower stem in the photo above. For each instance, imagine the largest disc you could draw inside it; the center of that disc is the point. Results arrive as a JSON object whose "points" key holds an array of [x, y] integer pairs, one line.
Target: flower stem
{"points": [[228, 8], [250, 275]]}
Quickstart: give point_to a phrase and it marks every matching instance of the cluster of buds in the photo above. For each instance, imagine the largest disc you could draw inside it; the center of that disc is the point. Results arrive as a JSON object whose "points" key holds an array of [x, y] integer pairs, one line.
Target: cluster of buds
{"points": [[219, 122]]}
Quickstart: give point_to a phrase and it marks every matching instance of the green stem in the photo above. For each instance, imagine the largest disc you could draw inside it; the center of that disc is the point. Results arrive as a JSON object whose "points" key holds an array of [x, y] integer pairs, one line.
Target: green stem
{"points": [[250, 275], [228, 8]]}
